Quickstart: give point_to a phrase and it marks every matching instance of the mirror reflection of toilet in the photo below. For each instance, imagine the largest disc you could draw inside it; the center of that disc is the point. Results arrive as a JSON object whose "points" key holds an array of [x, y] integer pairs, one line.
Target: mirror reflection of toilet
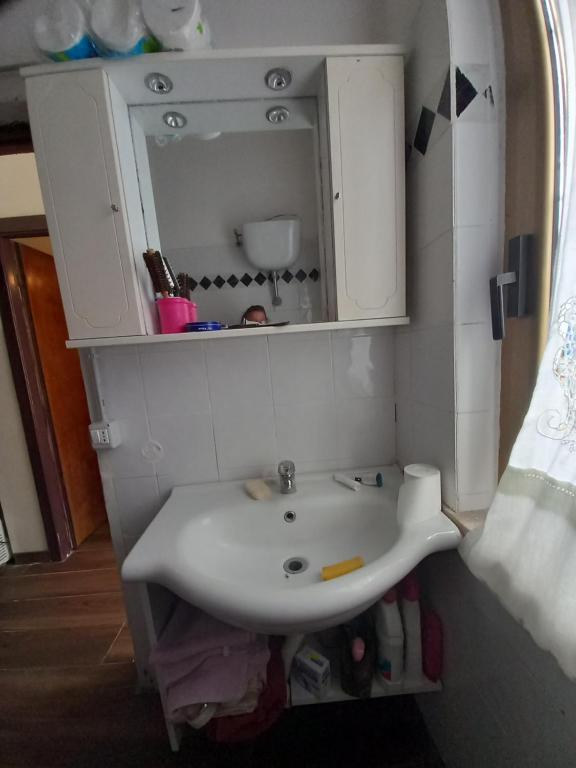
{"points": [[272, 245]]}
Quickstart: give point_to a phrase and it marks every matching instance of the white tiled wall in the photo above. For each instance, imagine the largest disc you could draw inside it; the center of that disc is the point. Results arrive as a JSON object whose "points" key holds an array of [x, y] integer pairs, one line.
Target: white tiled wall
{"points": [[228, 409], [447, 377]]}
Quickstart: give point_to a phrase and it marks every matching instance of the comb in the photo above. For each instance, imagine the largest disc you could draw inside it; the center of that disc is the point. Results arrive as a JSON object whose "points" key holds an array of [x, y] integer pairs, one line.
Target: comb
{"points": [[161, 274]]}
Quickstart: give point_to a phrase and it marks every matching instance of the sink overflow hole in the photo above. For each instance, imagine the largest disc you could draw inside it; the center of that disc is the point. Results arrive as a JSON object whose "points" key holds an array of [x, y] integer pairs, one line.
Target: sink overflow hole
{"points": [[295, 565], [289, 516]]}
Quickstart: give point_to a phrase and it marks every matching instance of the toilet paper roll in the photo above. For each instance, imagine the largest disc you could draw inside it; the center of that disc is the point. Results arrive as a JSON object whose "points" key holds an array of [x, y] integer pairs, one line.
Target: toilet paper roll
{"points": [[177, 24], [119, 29], [420, 496]]}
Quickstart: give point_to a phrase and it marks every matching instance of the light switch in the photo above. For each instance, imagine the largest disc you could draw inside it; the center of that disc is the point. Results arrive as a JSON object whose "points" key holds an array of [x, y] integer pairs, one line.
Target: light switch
{"points": [[105, 434]]}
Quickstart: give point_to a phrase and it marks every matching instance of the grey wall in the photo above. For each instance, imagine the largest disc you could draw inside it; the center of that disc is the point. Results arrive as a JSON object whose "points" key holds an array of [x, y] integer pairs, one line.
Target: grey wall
{"points": [[505, 702]]}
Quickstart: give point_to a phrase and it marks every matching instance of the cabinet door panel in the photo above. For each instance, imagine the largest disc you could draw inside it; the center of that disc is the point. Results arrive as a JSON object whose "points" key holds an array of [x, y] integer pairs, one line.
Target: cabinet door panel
{"points": [[74, 144], [366, 117]]}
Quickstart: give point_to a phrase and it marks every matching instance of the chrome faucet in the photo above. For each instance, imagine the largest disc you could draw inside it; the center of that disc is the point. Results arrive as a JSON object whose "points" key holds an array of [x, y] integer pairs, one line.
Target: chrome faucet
{"points": [[287, 476]]}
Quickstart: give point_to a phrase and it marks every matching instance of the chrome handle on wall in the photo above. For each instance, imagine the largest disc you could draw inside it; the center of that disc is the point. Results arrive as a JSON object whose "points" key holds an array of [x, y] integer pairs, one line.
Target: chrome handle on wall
{"points": [[516, 300]]}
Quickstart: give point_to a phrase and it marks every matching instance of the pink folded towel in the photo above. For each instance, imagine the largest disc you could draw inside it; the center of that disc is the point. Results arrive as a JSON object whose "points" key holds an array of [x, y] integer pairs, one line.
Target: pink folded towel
{"points": [[200, 660]]}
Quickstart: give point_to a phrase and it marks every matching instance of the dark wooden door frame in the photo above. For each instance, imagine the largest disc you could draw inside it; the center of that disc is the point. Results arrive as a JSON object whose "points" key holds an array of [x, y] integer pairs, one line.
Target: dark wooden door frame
{"points": [[30, 387]]}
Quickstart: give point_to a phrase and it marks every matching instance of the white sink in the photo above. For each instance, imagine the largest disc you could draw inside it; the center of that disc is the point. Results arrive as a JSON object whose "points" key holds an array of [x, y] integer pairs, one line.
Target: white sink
{"points": [[225, 553]]}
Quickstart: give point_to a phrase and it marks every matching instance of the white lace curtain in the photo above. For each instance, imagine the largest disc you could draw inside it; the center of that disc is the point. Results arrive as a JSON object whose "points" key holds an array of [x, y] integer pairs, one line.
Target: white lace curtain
{"points": [[526, 550]]}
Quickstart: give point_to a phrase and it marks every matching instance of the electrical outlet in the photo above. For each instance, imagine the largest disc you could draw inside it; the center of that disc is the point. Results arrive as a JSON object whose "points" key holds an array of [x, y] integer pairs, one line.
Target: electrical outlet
{"points": [[105, 434]]}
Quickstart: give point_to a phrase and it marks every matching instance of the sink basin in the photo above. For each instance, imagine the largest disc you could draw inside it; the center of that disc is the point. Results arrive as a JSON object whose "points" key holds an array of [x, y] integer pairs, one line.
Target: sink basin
{"points": [[257, 564]]}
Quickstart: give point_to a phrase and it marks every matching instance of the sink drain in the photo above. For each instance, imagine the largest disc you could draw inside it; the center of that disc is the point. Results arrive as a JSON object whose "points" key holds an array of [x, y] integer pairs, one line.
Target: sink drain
{"points": [[295, 565]]}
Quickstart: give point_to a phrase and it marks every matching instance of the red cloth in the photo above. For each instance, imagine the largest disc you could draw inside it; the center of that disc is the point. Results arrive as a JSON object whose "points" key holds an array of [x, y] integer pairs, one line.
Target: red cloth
{"points": [[270, 706]]}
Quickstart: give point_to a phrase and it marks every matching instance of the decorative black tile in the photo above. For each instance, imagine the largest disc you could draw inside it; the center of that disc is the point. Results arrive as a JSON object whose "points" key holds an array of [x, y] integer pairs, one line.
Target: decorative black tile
{"points": [[444, 105], [260, 278], [205, 283], [425, 125], [232, 281], [192, 283], [407, 152], [489, 95], [314, 275], [246, 279], [287, 276], [219, 281], [465, 92], [300, 275]]}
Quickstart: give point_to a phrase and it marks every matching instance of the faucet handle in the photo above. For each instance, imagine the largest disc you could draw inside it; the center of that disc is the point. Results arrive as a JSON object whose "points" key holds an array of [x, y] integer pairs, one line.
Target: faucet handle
{"points": [[286, 468]]}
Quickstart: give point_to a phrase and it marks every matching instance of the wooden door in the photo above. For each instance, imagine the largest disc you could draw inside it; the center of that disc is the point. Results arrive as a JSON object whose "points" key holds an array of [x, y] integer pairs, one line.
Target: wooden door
{"points": [[366, 126], [66, 395], [78, 167]]}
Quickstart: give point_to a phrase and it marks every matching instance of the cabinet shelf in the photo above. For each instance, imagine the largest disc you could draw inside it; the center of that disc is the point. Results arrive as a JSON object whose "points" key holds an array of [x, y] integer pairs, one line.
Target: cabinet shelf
{"points": [[299, 696], [163, 338]]}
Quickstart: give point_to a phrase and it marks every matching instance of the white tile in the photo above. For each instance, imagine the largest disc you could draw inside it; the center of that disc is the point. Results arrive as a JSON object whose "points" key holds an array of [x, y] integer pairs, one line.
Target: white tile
{"points": [[404, 453], [308, 432], [477, 452], [122, 392], [187, 440], [478, 174], [363, 365], [477, 258], [366, 430], [402, 364], [477, 368], [433, 284], [301, 368], [245, 436], [471, 28], [175, 380], [433, 436], [432, 364], [138, 503], [429, 194], [238, 372]]}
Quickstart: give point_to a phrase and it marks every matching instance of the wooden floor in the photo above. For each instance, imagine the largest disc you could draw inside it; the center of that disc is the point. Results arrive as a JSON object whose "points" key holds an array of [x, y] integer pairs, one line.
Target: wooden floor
{"points": [[67, 690]]}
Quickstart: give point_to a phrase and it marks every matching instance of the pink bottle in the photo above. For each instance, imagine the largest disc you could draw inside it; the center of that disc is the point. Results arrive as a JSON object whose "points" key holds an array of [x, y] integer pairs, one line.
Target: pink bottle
{"points": [[174, 313]]}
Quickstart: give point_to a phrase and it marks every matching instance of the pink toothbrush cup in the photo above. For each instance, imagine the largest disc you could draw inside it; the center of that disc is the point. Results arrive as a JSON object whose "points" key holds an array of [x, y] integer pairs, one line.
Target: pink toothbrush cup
{"points": [[192, 312], [174, 313]]}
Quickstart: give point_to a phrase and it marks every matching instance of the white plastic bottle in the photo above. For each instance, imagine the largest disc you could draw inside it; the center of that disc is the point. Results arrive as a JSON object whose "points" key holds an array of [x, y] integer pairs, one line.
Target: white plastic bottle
{"points": [[62, 32], [178, 24], [119, 29], [410, 605], [390, 638]]}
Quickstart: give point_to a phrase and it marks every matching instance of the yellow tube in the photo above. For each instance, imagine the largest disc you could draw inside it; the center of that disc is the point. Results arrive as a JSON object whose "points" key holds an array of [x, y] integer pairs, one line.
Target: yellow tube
{"points": [[342, 568]]}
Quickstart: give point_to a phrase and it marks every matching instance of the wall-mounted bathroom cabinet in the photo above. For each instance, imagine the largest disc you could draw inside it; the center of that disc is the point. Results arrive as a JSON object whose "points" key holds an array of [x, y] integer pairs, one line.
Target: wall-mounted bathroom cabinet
{"points": [[119, 174]]}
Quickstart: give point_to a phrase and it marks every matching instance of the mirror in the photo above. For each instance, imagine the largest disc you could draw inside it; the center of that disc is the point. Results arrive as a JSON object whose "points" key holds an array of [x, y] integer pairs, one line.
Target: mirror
{"points": [[207, 169]]}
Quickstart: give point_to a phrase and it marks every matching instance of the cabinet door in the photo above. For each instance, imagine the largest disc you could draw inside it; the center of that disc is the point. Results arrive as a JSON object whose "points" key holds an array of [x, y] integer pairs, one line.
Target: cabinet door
{"points": [[73, 134], [366, 126]]}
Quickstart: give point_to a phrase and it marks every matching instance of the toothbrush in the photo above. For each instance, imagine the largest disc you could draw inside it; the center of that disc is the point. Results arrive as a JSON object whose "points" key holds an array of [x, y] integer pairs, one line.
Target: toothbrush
{"points": [[347, 481]]}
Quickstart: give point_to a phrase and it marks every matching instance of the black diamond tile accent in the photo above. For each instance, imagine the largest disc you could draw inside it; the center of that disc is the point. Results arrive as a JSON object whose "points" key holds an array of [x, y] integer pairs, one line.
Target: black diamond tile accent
{"points": [[407, 152], [246, 279], [260, 278], [205, 283], [444, 105], [287, 276], [300, 275], [219, 281], [232, 281], [465, 92], [489, 95], [192, 283], [314, 275], [425, 125]]}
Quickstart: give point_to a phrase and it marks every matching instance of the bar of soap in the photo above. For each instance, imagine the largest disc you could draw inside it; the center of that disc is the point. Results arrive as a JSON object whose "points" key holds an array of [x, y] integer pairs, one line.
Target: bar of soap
{"points": [[258, 490], [342, 568]]}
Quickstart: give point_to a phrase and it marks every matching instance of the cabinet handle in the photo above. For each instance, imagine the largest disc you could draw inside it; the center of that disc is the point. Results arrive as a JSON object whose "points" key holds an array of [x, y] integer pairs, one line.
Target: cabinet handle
{"points": [[115, 208]]}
